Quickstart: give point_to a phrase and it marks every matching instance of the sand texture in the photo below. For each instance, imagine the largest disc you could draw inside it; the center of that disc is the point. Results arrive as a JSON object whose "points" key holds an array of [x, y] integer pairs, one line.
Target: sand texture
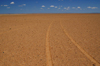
{"points": [[50, 40]]}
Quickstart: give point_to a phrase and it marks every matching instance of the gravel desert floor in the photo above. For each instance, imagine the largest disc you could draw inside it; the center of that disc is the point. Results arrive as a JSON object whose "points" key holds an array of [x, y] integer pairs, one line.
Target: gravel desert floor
{"points": [[50, 40]]}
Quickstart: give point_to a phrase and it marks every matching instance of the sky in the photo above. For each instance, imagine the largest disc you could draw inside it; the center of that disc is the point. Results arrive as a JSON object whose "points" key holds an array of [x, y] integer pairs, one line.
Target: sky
{"points": [[49, 6]]}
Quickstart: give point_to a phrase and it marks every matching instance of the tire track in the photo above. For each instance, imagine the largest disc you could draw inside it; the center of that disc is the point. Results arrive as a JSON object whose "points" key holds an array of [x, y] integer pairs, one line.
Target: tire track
{"points": [[48, 52], [83, 51]]}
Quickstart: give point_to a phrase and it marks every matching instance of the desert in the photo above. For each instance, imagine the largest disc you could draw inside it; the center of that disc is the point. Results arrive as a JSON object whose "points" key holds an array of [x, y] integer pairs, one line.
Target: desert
{"points": [[50, 40]]}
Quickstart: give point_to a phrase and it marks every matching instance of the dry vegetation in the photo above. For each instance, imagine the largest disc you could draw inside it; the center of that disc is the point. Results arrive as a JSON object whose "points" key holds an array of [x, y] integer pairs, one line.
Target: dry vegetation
{"points": [[50, 40]]}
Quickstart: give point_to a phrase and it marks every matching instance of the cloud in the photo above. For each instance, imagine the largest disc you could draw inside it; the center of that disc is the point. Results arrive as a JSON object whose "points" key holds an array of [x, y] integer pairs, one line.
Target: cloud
{"points": [[64, 7], [55, 6], [12, 3], [92, 7], [8, 7], [78, 7], [59, 8], [52, 6], [24, 4], [5, 5], [88, 7], [67, 8], [43, 6], [73, 7], [48, 8], [1, 5]]}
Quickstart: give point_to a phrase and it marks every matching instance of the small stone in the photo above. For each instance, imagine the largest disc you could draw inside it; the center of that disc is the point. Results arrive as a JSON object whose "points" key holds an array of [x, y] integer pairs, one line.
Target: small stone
{"points": [[93, 64], [10, 28], [3, 52], [40, 59]]}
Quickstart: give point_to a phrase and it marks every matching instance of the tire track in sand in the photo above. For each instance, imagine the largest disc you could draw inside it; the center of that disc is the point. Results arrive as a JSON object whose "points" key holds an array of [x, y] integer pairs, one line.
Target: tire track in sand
{"points": [[48, 53], [83, 51]]}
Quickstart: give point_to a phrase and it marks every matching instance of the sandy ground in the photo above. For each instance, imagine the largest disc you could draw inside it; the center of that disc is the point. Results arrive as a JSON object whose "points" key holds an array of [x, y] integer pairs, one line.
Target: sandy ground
{"points": [[50, 40]]}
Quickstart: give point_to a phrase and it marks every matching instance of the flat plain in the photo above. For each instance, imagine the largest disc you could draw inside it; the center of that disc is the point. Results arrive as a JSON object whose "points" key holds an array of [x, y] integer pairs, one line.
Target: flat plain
{"points": [[50, 40]]}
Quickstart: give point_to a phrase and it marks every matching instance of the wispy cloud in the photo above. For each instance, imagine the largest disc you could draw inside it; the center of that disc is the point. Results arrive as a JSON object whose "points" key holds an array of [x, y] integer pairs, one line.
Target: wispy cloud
{"points": [[8, 7], [42, 6], [73, 7], [5, 5], [1, 5], [78, 7], [92, 7], [67, 8], [88, 7], [55, 6], [22, 5], [48, 8], [52, 6], [59, 8], [12, 3], [64, 7]]}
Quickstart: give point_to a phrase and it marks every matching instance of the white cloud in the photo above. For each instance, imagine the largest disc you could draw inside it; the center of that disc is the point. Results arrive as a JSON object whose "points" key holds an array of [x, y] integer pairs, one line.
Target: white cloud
{"points": [[88, 7], [78, 7], [42, 6], [67, 8], [24, 4], [52, 6], [8, 7], [5, 5], [48, 8], [12, 3], [1, 5], [64, 7], [55, 6], [73, 7], [92, 7], [58, 8]]}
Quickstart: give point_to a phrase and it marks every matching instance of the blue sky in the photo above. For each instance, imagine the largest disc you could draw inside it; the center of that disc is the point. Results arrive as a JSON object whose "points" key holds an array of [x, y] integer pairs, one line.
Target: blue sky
{"points": [[49, 6]]}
